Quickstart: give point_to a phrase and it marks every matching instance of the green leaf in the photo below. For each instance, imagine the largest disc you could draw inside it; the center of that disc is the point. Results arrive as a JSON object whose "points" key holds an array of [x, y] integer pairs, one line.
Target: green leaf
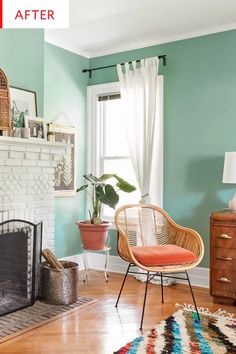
{"points": [[124, 185], [104, 193], [91, 178], [109, 197], [106, 176], [82, 188], [99, 192]]}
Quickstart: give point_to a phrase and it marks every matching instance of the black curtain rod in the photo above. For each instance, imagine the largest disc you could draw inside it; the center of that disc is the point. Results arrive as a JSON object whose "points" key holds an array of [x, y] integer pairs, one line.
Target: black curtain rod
{"points": [[163, 57]]}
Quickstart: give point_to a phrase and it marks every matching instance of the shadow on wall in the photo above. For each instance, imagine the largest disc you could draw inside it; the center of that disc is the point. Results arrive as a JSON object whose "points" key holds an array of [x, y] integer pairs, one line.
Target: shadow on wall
{"points": [[204, 183], [204, 178]]}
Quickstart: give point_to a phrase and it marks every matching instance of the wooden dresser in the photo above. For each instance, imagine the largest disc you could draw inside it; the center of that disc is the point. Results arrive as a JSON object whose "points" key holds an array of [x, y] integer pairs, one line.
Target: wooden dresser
{"points": [[223, 257]]}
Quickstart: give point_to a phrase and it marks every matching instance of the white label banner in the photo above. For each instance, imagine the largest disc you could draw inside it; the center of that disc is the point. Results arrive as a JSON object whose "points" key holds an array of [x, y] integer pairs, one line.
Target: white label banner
{"points": [[35, 13]]}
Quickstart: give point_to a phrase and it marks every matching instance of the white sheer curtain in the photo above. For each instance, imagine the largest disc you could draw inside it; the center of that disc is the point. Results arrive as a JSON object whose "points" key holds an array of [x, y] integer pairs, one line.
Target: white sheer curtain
{"points": [[139, 84], [142, 93]]}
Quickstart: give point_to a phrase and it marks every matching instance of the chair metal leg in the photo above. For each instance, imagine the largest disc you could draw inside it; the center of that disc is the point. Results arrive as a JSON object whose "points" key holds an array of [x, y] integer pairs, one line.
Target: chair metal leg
{"points": [[122, 285], [144, 300], [162, 292], [192, 295], [106, 263]]}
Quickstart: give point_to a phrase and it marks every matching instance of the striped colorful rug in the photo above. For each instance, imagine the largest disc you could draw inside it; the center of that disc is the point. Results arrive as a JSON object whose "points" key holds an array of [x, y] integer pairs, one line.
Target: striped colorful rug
{"points": [[184, 333]]}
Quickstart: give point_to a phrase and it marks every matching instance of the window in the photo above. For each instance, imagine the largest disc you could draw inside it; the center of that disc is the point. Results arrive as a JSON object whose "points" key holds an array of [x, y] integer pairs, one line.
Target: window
{"points": [[108, 150]]}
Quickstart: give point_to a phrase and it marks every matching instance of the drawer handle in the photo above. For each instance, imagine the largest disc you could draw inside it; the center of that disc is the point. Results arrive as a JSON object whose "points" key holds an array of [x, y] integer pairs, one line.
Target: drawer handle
{"points": [[225, 280], [224, 236], [225, 258]]}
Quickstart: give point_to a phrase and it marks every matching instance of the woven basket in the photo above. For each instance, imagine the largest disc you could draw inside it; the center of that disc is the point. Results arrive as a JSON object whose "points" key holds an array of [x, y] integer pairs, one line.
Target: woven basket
{"points": [[5, 104]]}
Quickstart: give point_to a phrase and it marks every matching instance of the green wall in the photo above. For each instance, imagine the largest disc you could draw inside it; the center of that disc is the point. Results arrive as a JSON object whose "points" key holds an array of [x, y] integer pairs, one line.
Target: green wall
{"points": [[65, 91], [55, 75], [22, 59], [199, 123]]}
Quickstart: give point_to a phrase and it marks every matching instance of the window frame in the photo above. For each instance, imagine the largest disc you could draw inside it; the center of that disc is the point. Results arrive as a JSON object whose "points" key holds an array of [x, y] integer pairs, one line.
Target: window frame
{"points": [[93, 132], [93, 163]]}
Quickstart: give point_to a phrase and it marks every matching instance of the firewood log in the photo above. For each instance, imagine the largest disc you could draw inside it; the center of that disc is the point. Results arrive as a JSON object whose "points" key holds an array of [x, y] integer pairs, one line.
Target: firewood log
{"points": [[51, 259]]}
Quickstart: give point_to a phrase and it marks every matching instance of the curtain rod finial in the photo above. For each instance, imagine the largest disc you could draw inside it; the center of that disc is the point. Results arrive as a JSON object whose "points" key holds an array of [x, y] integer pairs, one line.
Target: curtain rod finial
{"points": [[89, 71]]}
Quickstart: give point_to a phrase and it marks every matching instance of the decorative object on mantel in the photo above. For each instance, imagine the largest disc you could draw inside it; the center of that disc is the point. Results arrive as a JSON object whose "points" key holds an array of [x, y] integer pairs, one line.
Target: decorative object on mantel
{"points": [[16, 132], [23, 102], [25, 133], [62, 130], [51, 137], [5, 113], [37, 127], [5, 133]]}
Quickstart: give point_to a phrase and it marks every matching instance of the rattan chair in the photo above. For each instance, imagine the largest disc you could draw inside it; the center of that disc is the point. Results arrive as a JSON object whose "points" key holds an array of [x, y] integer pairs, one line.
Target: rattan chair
{"points": [[150, 239]]}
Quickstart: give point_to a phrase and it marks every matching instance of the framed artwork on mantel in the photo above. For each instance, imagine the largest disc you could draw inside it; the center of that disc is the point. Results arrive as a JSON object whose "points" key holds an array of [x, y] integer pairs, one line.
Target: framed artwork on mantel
{"points": [[23, 102], [65, 172]]}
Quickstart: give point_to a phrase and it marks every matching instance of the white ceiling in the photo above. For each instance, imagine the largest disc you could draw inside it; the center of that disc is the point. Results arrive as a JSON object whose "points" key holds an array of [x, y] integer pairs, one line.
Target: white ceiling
{"points": [[110, 26]]}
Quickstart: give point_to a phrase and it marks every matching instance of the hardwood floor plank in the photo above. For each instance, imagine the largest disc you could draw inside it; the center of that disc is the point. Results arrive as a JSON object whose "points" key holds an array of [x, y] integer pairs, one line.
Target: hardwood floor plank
{"points": [[101, 328]]}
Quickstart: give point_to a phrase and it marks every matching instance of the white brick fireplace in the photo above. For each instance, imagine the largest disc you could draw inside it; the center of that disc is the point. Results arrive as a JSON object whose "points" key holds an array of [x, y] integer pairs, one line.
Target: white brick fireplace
{"points": [[27, 182]]}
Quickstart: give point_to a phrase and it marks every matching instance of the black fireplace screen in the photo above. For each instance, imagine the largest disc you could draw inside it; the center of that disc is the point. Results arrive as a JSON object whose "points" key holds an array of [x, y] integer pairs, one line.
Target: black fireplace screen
{"points": [[20, 253]]}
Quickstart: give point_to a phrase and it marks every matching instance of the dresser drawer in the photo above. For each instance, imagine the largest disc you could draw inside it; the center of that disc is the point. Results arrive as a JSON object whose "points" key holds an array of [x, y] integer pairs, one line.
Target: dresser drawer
{"points": [[223, 283], [224, 237], [224, 258]]}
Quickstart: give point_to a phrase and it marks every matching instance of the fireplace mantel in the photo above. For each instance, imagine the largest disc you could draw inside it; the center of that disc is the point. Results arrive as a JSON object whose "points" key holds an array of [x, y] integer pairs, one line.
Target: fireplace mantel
{"points": [[27, 182], [5, 140]]}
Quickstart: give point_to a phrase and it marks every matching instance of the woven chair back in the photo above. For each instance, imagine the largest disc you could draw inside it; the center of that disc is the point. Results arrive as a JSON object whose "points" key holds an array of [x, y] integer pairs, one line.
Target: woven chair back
{"points": [[144, 226]]}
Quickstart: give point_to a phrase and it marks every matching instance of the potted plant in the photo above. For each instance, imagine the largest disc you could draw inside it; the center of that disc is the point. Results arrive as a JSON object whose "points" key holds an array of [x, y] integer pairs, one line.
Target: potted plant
{"points": [[93, 232]]}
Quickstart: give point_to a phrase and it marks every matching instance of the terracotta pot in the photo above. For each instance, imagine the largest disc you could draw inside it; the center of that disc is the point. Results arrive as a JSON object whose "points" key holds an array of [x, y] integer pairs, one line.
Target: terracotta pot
{"points": [[93, 236]]}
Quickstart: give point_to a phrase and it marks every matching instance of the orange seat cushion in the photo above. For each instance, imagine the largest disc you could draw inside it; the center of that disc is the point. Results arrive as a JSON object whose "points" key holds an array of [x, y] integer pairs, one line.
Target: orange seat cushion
{"points": [[162, 255]]}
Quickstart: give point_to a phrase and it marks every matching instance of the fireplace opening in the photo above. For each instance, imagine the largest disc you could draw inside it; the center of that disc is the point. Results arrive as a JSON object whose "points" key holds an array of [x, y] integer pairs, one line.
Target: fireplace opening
{"points": [[20, 256]]}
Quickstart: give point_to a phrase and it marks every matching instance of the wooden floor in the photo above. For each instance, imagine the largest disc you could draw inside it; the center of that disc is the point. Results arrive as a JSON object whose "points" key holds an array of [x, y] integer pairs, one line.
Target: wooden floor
{"points": [[101, 328]]}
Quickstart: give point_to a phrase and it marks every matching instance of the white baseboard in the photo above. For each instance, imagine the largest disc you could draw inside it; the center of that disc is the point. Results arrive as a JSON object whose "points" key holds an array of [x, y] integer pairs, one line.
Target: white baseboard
{"points": [[198, 276]]}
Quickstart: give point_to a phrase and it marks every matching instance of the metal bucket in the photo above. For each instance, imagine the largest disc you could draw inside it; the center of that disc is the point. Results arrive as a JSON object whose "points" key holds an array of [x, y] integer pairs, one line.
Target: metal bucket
{"points": [[59, 287]]}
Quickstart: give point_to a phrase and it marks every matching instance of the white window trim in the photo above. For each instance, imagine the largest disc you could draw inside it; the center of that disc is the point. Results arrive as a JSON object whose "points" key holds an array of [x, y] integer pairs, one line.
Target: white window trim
{"points": [[92, 131], [92, 165]]}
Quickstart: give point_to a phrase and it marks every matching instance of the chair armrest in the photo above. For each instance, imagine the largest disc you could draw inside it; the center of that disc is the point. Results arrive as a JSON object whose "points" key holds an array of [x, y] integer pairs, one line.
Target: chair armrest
{"points": [[186, 238]]}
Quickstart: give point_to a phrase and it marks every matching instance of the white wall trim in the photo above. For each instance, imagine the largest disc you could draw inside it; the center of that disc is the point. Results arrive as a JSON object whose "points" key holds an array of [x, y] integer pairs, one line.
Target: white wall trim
{"points": [[134, 45], [137, 44], [64, 45], [199, 276]]}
